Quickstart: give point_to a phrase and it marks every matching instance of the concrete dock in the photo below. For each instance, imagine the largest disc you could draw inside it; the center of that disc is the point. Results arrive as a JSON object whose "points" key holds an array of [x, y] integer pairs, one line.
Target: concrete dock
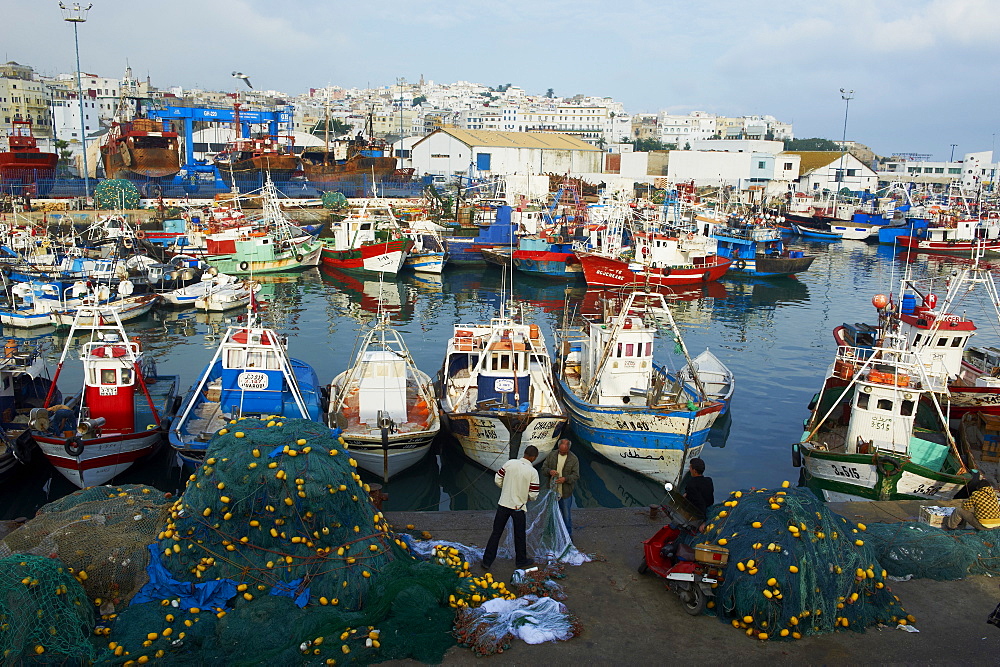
{"points": [[632, 618]]}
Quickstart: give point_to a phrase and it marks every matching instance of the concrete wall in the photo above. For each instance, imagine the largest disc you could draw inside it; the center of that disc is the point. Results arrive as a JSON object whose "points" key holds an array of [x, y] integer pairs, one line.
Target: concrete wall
{"points": [[738, 145]]}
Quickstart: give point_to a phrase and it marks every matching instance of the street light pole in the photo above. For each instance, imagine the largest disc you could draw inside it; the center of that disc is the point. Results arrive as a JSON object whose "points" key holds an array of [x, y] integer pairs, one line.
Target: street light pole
{"points": [[77, 14], [847, 96]]}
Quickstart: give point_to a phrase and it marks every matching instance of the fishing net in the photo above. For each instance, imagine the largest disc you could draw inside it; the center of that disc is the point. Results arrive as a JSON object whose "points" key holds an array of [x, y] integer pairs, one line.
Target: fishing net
{"points": [[795, 568], [334, 200], [101, 533], [490, 628], [45, 616], [275, 553], [929, 552], [116, 194]]}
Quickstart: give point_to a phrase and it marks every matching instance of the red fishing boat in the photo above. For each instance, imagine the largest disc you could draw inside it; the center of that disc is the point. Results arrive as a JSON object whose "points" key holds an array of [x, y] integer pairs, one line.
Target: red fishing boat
{"points": [[24, 168], [140, 148], [121, 414]]}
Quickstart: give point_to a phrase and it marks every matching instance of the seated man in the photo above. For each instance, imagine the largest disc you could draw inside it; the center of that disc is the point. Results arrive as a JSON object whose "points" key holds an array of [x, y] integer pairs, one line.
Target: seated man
{"points": [[981, 509]]}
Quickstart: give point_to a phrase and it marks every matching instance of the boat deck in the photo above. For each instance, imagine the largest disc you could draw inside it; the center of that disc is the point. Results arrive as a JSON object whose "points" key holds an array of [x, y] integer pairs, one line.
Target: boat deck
{"points": [[204, 420], [162, 392]]}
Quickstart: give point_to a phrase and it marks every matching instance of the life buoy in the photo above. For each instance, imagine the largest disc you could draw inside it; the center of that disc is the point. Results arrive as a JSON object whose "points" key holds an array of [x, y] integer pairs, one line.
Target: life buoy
{"points": [[690, 236], [888, 466], [645, 250], [244, 266], [137, 343], [73, 446], [299, 257], [556, 239], [139, 234], [740, 264]]}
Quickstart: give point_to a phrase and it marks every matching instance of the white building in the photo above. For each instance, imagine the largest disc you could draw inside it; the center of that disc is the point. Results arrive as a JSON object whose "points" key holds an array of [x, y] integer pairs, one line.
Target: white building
{"points": [[834, 171], [452, 150], [719, 168], [684, 130], [973, 170]]}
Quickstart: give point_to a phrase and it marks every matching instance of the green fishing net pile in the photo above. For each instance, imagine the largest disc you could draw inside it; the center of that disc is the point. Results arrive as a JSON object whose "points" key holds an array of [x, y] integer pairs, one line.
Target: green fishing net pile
{"points": [[116, 194], [795, 568], [45, 616], [101, 531], [278, 507], [928, 552], [333, 200]]}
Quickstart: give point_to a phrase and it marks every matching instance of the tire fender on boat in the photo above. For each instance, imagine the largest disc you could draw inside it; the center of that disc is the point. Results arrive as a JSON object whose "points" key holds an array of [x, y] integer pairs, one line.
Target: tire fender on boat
{"points": [[796, 456], [73, 446], [299, 257], [740, 264], [705, 277], [888, 466], [244, 266]]}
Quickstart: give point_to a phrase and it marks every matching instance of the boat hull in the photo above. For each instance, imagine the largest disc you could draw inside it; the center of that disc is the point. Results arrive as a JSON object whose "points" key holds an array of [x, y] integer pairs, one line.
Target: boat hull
{"points": [[303, 256], [652, 442], [402, 453], [102, 459], [763, 266], [145, 163], [603, 271], [426, 262], [490, 439], [134, 308], [960, 248], [386, 257], [561, 265], [835, 476]]}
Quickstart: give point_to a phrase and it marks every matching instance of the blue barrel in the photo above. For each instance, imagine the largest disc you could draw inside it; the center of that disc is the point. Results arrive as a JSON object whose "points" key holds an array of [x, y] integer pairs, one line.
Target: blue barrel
{"points": [[908, 305]]}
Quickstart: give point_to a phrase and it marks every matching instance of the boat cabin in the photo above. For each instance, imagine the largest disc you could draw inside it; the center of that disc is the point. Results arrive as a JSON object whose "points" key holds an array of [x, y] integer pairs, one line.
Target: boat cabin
{"points": [[382, 386], [629, 363], [110, 382], [253, 378], [498, 363], [939, 338]]}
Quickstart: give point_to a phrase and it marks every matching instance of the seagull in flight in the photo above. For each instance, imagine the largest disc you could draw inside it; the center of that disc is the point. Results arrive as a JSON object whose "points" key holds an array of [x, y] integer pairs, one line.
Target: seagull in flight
{"points": [[246, 79]]}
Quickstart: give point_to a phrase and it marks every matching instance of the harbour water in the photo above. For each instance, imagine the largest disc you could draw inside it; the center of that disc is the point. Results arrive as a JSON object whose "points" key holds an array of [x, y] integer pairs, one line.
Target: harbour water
{"points": [[775, 335]]}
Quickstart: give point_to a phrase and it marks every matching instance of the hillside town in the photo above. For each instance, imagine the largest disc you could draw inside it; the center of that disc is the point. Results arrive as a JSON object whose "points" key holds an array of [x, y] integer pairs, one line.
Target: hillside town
{"points": [[475, 130]]}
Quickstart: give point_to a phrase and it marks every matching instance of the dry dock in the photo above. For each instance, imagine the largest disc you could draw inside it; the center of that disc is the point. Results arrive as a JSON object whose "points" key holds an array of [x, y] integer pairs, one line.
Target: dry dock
{"points": [[628, 618]]}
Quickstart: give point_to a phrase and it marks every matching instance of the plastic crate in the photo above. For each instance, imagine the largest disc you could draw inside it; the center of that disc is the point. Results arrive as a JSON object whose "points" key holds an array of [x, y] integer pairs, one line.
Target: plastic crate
{"points": [[933, 515]]}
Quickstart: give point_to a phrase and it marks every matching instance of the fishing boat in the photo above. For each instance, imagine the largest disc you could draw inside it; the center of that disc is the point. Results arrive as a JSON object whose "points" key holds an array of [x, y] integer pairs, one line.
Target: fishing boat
{"points": [[228, 297], [979, 435], [862, 440], [664, 259], [136, 147], [626, 407], [384, 405], [24, 168], [956, 235], [369, 239], [496, 391], [211, 284], [250, 374], [428, 253], [716, 379], [248, 163], [121, 413], [496, 231], [24, 385], [809, 232], [756, 247]]}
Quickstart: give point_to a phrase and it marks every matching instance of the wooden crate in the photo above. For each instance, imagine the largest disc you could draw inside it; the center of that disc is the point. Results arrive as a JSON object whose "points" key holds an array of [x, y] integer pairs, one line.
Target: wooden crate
{"points": [[712, 554]]}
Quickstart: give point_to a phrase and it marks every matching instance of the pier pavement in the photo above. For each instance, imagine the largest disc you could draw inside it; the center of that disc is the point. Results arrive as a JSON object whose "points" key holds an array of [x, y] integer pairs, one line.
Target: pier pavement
{"points": [[632, 619]]}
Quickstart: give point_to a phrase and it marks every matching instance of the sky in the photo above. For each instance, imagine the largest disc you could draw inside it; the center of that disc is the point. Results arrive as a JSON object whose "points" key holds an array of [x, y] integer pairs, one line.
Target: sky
{"points": [[924, 72]]}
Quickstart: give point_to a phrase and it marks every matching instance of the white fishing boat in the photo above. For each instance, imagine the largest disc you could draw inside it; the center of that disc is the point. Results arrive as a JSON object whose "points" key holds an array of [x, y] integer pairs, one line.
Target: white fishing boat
{"points": [[121, 413], [385, 405], [716, 378], [621, 403], [428, 254], [213, 291], [496, 391], [125, 308]]}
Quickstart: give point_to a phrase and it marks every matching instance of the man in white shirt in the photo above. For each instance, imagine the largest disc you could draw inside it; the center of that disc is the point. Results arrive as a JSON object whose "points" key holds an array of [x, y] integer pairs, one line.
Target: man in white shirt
{"points": [[518, 482]]}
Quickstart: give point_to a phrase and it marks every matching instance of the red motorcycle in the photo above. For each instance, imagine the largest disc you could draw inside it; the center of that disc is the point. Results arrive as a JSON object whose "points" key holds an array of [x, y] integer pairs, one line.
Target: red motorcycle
{"points": [[689, 571]]}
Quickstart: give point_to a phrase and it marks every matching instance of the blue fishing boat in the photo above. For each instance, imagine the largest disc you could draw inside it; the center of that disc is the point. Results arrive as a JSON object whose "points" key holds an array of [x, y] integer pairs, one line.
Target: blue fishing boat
{"points": [[621, 403], [756, 248], [496, 232], [251, 374]]}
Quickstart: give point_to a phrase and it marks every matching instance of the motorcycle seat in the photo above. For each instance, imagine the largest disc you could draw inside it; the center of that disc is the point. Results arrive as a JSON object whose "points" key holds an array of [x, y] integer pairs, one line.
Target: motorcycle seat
{"points": [[684, 552]]}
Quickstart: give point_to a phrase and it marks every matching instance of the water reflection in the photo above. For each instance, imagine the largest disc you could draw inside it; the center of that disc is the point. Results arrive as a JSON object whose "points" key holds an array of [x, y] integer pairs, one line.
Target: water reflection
{"points": [[775, 334]]}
